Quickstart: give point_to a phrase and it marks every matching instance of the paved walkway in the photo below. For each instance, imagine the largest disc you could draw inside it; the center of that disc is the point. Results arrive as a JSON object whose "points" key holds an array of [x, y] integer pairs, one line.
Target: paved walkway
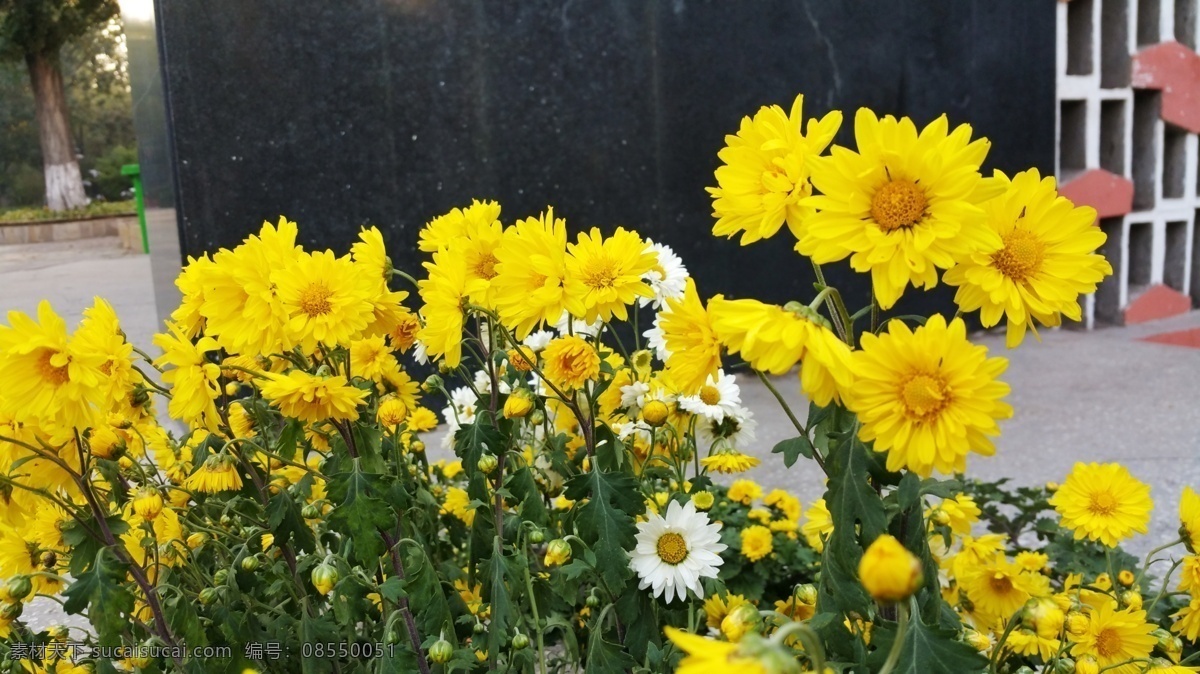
{"points": [[1079, 396]]}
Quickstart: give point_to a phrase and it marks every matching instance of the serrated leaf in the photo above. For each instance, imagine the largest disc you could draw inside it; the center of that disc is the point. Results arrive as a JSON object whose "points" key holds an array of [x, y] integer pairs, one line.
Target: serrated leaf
{"points": [[605, 522], [425, 595], [525, 491], [496, 591], [635, 608], [605, 657], [858, 517], [474, 438], [359, 511], [313, 630], [283, 514], [794, 448], [908, 491], [941, 488], [100, 589], [927, 650]]}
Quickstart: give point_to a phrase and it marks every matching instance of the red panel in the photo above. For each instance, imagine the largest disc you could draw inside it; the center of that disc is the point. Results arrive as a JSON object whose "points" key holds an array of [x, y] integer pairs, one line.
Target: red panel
{"points": [[1158, 301], [1175, 70], [1108, 193], [1188, 338]]}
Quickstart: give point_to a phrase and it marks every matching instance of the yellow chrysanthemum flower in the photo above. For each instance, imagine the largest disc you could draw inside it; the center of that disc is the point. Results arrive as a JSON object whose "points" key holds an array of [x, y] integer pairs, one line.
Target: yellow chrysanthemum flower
{"points": [[1187, 623], [312, 398], [370, 257], [444, 294], [902, 206], [729, 462], [709, 656], [530, 269], [100, 338], [440, 231], [773, 339], [999, 588], [478, 247], [1189, 517], [241, 423], [47, 378], [422, 419], [818, 525], [404, 333], [756, 542], [764, 172], [391, 413], [958, 513], [168, 537], [371, 358], [370, 253], [194, 380], [241, 306], [571, 362], [1103, 502], [689, 337], [457, 503], [1115, 636], [327, 300], [928, 397], [783, 502], [1046, 259], [218, 473], [190, 282], [604, 275], [744, 491]]}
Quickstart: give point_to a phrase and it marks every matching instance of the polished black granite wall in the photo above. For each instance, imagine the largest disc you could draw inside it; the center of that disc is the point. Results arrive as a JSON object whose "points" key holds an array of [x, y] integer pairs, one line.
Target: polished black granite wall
{"points": [[392, 111]]}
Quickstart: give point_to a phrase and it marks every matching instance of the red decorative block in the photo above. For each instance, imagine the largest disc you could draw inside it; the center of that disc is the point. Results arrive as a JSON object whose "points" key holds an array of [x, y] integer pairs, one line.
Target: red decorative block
{"points": [[1187, 338], [1158, 301], [1110, 194], [1175, 70]]}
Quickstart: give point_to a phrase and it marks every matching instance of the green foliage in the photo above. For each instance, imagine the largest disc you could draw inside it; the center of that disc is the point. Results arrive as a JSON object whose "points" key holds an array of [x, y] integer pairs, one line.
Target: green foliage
{"points": [[44, 26], [925, 650], [101, 587], [606, 521], [93, 210]]}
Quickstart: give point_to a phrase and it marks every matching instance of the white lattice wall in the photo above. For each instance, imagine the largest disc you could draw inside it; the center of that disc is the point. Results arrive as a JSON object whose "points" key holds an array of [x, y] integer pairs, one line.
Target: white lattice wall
{"points": [[1128, 111]]}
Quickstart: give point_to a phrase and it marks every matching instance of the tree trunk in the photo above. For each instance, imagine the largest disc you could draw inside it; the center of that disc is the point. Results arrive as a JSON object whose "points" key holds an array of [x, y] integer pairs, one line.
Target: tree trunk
{"points": [[64, 184]]}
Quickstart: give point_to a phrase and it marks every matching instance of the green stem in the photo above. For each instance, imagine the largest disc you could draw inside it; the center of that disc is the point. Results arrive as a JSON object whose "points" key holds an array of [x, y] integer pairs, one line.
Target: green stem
{"points": [[898, 644], [996, 660], [1165, 582], [537, 624], [791, 416], [1150, 556]]}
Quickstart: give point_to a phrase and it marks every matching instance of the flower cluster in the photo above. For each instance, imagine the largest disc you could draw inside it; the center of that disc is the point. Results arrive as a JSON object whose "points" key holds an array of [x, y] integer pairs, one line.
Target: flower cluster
{"points": [[585, 501]]}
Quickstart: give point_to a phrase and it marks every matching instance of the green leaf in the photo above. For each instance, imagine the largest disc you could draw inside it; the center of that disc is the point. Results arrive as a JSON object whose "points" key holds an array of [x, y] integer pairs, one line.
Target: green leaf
{"points": [[359, 511], [635, 608], [858, 518], [794, 448], [425, 595], [496, 592], [605, 522], [524, 488], [316, 629], [100, 590], [605, 657], [927, 650], [909, 491], [283, 514], [473, 439]]}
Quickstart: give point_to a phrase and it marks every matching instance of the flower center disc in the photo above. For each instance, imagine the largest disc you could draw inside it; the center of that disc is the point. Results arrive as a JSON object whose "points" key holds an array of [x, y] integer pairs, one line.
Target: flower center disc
{"points": [[1108, 643], [314, 300], [672, 549], [485, 266], [1021, 256], [924, 395], [54, 374], [898, 203], [1102, 503], [600, 274], [709, 395], [1001, 584]]}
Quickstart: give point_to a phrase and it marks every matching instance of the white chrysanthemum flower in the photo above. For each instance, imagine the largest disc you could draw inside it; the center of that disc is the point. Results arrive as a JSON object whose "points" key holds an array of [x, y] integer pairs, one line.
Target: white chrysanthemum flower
{"points": [[667, 279], [656, 341], [460, 411], [538, 340], [633, 431], [674, 552], [578, 327], [735, 430], [483, 383], [634, 395], [419, 352], [718, 398]]}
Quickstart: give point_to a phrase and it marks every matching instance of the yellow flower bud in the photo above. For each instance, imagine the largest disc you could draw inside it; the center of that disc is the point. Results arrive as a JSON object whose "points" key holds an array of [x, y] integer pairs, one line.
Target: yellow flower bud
{"points": [[888, 571], [1131, 599], [391, 413], [807, 594], [1077, 623], [324, 577], [196, 540], [740, 621], [977, 640], [558, 552], [147, 502], [1126, 577], [519, 404], [520, 359], [1043, 616], [1087, 665], [655, 413]]}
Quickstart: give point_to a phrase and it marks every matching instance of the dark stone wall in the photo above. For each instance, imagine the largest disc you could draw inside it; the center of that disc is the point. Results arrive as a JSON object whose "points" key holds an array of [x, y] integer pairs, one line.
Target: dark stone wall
{"points": [[392, 111]]}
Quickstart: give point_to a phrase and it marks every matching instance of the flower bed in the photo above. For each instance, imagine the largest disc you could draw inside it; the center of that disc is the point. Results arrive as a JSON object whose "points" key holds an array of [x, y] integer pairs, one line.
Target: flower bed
{"points": [[299, 525]]}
